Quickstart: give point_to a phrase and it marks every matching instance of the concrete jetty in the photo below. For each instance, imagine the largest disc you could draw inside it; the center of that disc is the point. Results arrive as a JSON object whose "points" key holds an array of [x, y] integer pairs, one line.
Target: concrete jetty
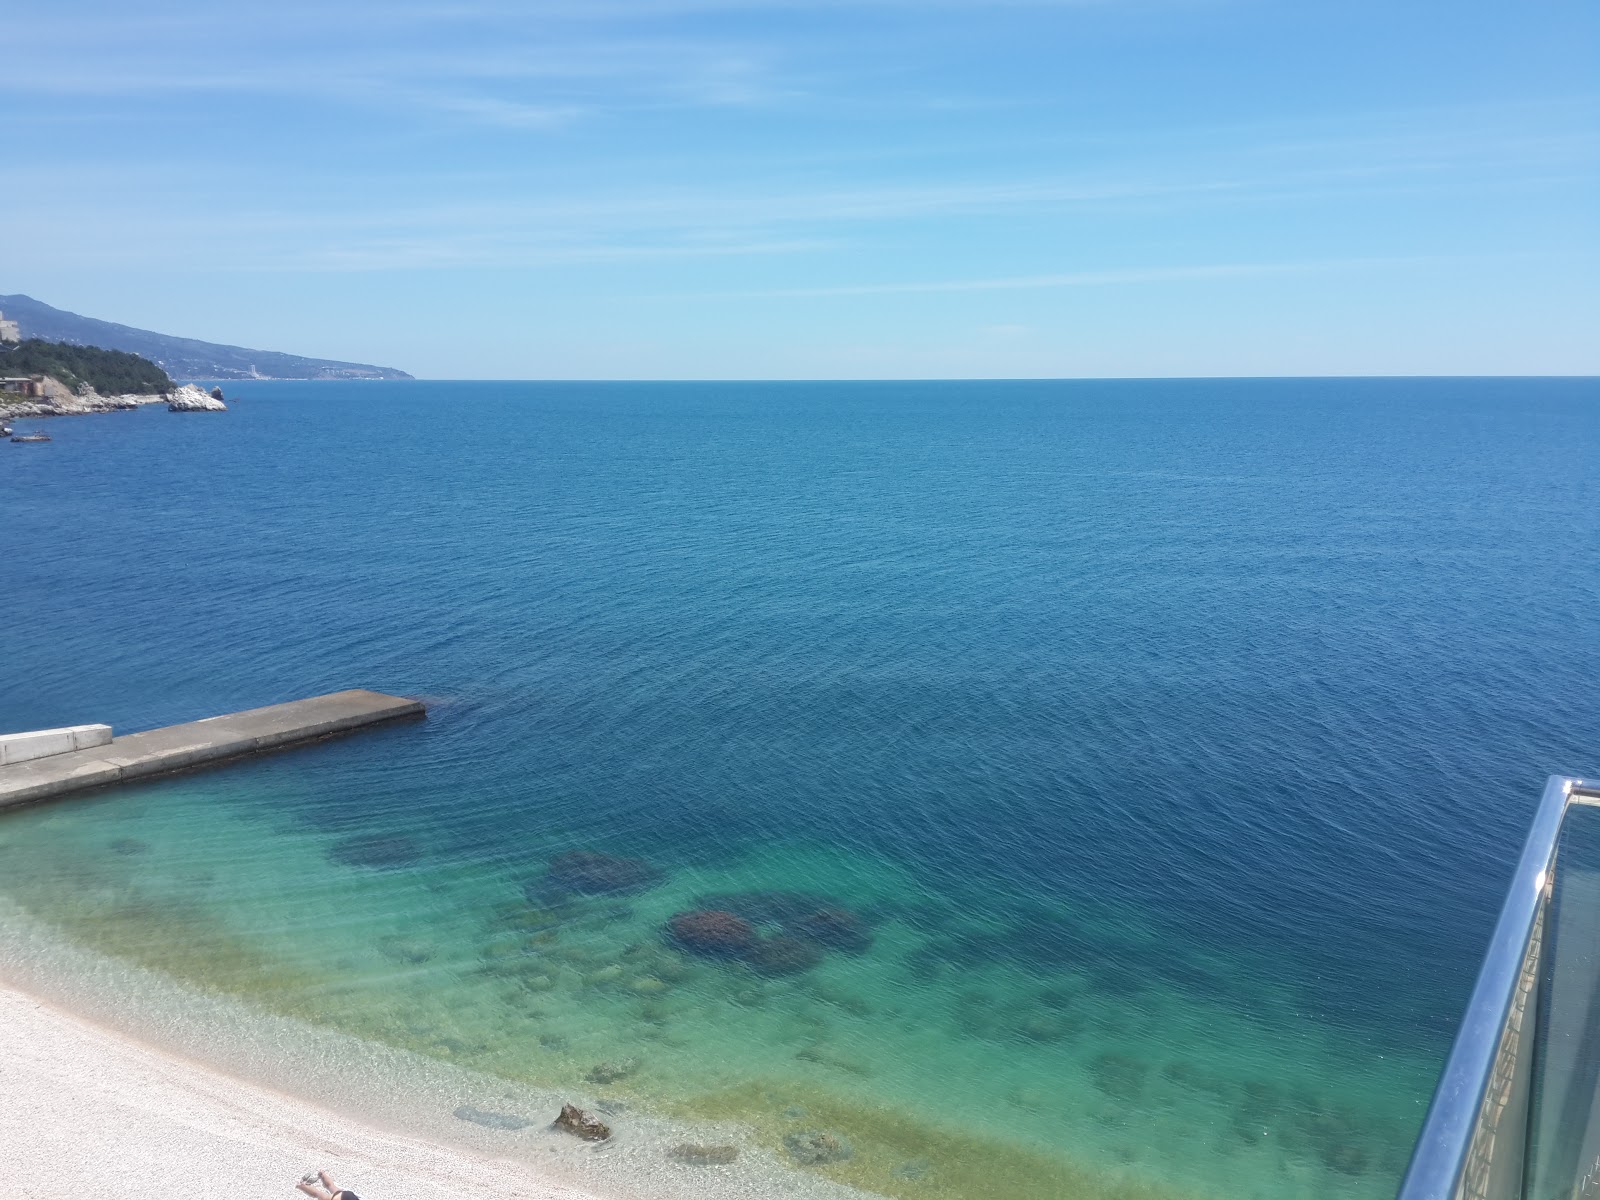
{"points": [[177, 747]]}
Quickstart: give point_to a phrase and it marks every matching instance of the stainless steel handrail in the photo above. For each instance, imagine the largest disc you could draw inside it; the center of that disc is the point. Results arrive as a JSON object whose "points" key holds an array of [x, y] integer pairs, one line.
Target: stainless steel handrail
{"points": [[1451, 1132]]}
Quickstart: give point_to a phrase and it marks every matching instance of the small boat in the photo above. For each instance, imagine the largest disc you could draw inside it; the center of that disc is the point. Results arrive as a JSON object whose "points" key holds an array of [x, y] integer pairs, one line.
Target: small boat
{"points": [[5, 430], [31, 437]]}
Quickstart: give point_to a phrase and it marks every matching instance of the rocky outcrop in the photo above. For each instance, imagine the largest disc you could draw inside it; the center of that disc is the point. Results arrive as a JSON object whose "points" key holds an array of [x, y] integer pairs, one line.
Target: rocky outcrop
{"points": [[189, 398], [56, 399], [578, 1123]]}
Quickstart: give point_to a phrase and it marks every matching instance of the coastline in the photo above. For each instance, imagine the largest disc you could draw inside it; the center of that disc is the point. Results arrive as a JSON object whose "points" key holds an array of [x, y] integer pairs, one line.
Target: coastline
{"points": [[60, 401], [90, 1113], [144, 1085]]}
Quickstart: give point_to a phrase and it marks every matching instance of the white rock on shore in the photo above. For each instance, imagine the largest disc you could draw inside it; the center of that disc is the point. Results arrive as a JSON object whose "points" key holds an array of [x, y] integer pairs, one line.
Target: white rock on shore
{"points": [[61, 401], [189, 398]]}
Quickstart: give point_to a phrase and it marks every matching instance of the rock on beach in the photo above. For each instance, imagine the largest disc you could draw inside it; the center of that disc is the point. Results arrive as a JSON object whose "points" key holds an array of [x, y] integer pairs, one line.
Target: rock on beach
{"points": [[587, 1126]]}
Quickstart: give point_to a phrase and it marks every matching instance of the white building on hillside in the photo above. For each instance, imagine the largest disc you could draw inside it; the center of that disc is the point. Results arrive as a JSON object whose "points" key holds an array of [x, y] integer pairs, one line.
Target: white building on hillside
{"points": [[9, 332]]}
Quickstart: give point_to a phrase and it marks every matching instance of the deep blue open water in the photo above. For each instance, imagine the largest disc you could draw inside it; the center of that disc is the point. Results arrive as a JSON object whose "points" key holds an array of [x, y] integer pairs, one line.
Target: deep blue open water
{"points": [[1168, 742]]}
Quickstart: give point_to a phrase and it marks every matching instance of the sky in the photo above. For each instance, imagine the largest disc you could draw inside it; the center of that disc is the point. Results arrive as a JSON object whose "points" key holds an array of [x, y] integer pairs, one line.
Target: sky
{"points": [[751, 189]]}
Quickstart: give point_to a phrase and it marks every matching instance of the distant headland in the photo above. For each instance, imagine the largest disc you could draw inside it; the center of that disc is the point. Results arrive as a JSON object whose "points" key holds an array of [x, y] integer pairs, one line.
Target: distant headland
{"points": [[181, 358], [58, 379]]}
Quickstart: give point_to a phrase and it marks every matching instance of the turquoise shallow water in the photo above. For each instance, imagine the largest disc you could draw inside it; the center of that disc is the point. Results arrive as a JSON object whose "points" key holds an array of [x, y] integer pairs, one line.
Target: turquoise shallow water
{"points": [[1168, 743]]}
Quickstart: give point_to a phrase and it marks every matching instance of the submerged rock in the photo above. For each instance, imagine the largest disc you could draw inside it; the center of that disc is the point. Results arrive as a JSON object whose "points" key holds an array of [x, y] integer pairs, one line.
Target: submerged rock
{"points": [[587, 1126], [784, 955], [806, 925], [382, 850], [604, 977], [703, 1156], [817, 1147], [407, 950], [767, 907], [1118, 1076], [611, 1072], [491, 1120], [1116, 979], [833, 927], [530, 920], [591, 873], [712, 933], [1047, 1027], [1336, 1136]]}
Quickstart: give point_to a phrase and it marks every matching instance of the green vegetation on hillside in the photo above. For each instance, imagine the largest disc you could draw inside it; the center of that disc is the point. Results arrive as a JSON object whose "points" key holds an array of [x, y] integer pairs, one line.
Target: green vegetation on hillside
{"points": [[109, 372]]}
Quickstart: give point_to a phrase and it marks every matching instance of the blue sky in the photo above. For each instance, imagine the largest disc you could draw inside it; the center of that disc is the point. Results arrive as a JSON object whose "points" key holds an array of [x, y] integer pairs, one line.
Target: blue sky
{"points": [[757, 189]]}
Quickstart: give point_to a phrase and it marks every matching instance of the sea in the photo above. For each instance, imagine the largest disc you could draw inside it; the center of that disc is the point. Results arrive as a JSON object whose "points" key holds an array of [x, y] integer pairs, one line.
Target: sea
{"points": [[1112, 784]]}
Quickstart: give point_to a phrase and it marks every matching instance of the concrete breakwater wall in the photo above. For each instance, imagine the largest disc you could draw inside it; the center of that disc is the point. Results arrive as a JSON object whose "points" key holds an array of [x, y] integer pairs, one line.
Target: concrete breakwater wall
{"points": [[41, 743], [177, 747]]}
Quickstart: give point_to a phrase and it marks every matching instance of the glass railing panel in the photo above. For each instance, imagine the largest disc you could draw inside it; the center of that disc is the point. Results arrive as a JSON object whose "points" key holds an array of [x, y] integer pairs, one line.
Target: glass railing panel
{"points": [[1563, 1161], [1474, 1141], [1496, 1158]]}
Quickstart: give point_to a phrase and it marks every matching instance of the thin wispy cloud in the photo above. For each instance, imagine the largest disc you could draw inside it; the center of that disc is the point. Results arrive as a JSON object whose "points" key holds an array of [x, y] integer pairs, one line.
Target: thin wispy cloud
{"points": [[1086, 279], [1007, 157]]}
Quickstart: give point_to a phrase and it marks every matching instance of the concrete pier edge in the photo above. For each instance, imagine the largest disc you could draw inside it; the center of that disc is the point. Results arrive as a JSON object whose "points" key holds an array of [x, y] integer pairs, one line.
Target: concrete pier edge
{"points": [[200, 743]]}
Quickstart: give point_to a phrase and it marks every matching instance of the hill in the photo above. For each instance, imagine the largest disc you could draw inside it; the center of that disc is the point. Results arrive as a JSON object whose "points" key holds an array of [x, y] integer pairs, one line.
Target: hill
{"points": [[182, 358], [109, 372]]}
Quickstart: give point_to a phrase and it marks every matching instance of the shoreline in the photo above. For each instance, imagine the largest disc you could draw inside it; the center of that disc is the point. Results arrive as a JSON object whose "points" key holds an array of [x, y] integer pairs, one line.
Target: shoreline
{"points": [[139, 1080], [96, 1114], [60, 402]]}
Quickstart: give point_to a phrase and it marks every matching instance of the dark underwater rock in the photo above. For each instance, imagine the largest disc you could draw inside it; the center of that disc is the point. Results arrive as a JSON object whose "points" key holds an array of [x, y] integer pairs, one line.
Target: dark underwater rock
{"points": [[611, 1072], [1115, 979], [379, 850], [1186, 1074], [784, 955], [766, 907], [1118, 1076], [590, 873], [798, 914], [491, 1120], [578, 1123], [407, 950], [712, 933], [1043, 944], [1048, 1027], [816, 1147], [703, 1156], [1336, 1137], [834, 927]]}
